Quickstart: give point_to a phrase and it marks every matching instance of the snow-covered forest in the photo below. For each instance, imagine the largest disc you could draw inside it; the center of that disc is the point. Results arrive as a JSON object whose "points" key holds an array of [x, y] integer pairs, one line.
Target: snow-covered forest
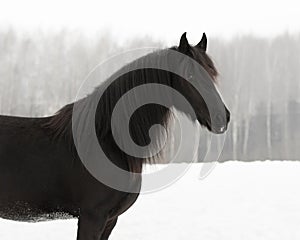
{"points": [[259, 80]]}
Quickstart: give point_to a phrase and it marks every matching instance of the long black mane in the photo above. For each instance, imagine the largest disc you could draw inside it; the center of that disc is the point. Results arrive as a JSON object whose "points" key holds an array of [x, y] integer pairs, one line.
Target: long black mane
{"points": [[111, 91]]}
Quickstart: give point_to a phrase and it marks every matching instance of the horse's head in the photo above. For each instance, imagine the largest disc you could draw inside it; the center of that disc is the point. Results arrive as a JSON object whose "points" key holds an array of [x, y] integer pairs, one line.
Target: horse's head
{"points": [[210, 111]]}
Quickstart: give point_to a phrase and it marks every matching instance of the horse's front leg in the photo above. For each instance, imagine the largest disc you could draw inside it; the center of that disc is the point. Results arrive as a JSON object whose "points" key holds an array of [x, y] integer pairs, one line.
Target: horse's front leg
{"points": [[91, 225]]}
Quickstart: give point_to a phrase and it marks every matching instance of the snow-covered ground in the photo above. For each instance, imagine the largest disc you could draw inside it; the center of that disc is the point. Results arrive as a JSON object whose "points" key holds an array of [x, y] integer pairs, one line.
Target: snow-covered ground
{"points": [[259, 200]]}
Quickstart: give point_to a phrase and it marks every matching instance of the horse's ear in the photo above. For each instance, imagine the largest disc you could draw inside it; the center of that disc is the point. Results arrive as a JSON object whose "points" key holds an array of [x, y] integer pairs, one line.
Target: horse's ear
{"points": [[184, 45], [203, 43]]}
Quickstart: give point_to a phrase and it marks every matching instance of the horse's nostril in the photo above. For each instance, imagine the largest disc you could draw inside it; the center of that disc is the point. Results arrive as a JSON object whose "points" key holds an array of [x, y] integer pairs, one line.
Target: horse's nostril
{"points": [[227, 115]]}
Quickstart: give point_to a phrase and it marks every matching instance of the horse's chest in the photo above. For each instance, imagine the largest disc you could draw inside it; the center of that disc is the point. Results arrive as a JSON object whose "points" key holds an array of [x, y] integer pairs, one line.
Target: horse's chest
{"points": [[126, 201], [124, 204]]}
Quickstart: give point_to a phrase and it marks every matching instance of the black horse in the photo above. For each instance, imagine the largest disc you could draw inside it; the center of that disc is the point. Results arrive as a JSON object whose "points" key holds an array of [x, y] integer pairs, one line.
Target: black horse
{"points": [[42, 176]]}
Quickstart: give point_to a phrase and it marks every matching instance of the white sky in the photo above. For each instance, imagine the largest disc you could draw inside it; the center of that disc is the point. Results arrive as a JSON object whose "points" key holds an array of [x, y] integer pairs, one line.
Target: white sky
{"points": [[161, 19]]}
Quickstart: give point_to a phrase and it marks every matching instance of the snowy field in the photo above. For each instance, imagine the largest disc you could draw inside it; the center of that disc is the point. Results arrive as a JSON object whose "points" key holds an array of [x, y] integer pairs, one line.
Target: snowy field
{"points": [[259, 200]]}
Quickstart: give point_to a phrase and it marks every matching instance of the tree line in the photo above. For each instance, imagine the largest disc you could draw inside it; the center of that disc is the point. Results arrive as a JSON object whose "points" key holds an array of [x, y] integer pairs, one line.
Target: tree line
{"points": [[259, 80]]}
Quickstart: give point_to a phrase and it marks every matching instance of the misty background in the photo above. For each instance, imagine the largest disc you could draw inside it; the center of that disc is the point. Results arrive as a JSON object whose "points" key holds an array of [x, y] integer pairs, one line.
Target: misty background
{"points": [[259, 80]]}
